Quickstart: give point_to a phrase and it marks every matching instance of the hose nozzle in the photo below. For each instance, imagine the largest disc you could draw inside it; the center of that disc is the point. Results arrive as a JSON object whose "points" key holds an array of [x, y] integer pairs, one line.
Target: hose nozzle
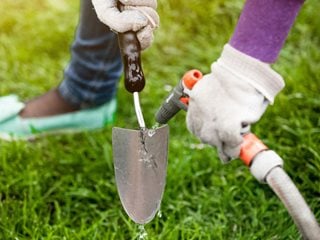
{"points": [[178, 98]]}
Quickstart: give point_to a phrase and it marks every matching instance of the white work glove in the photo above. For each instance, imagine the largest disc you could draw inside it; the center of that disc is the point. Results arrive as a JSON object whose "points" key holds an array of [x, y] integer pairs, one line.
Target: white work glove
{"points": [[138, 15], [227, 101]]}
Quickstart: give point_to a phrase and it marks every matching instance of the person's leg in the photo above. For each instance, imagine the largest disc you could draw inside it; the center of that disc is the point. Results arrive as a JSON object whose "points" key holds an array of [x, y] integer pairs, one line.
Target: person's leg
{"points": [[92, 75]]}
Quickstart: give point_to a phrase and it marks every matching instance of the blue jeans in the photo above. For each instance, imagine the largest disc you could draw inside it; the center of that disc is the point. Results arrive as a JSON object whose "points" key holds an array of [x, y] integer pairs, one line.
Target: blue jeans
{"points": [[91, 78]]}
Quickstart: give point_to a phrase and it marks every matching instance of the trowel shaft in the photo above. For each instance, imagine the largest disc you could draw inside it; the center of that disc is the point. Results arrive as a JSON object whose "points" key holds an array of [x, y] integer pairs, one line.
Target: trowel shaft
{"points": [[138, 110]]}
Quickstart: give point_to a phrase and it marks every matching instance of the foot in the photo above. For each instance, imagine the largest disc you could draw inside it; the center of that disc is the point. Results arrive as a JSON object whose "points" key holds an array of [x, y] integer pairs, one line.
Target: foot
{"points": [[49, 113], [49, 104]]}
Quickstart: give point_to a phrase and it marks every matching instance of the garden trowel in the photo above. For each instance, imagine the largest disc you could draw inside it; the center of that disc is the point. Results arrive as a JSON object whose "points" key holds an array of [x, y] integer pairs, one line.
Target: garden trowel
{"points": [[140, 156]]}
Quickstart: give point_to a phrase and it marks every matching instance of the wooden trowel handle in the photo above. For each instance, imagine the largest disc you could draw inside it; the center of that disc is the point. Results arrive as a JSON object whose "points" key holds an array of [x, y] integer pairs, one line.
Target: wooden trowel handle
{"points": [[130, 51]]}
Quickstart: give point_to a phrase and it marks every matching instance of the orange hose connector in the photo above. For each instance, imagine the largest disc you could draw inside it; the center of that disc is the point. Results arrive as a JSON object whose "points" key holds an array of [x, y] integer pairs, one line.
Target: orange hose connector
{"points": [[250, 147]]}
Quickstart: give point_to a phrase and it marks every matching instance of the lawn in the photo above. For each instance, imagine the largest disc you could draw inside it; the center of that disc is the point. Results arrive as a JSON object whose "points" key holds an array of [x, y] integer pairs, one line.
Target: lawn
{"points": [[63, 187]]}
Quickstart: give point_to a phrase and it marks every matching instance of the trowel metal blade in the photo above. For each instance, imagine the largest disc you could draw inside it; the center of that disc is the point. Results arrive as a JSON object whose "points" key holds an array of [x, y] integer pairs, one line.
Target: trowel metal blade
{"points": [[140, 162]]}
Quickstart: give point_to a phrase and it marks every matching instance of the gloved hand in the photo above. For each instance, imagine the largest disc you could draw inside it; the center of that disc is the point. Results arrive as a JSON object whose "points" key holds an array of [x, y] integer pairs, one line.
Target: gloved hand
{"points": [[138, 15], [227, 101]]}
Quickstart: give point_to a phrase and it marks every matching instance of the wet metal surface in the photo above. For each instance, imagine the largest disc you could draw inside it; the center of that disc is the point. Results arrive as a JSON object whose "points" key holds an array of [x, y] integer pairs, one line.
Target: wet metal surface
{"points": [[140, 162]]}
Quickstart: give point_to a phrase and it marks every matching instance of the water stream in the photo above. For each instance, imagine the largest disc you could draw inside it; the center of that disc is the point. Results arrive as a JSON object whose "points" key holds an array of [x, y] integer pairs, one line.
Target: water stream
{"points": [[142, 235]]}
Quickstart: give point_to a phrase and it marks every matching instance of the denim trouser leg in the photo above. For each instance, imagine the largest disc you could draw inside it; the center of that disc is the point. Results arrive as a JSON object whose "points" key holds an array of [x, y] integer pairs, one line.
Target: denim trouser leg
{"points": [[95, 67]]}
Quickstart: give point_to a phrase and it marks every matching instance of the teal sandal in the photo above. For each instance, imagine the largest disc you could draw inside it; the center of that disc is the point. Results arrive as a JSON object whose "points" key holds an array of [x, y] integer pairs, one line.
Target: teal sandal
{"points": [[13, 127]]}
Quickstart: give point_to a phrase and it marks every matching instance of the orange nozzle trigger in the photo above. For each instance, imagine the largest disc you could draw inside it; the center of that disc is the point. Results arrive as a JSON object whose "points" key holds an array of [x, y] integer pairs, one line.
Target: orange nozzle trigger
{"points": [[184, 100]]}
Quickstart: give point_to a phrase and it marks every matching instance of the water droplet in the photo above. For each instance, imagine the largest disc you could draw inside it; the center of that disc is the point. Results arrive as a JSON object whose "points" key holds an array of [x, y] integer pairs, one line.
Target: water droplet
{"points": [[151, 132], [168, 88]]}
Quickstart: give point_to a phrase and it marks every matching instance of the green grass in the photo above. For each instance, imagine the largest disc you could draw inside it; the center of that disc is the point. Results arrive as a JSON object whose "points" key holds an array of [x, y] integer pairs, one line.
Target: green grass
{"points": [[63, 187]]}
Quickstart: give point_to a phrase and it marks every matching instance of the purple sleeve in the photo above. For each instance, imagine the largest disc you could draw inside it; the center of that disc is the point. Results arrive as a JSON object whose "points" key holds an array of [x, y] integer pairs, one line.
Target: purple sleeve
{"points": [[264, 26]]}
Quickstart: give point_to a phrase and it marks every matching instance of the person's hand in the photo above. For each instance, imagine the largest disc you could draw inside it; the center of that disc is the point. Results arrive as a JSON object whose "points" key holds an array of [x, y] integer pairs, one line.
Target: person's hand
{"points": [[227, 101], [137, 15]]}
